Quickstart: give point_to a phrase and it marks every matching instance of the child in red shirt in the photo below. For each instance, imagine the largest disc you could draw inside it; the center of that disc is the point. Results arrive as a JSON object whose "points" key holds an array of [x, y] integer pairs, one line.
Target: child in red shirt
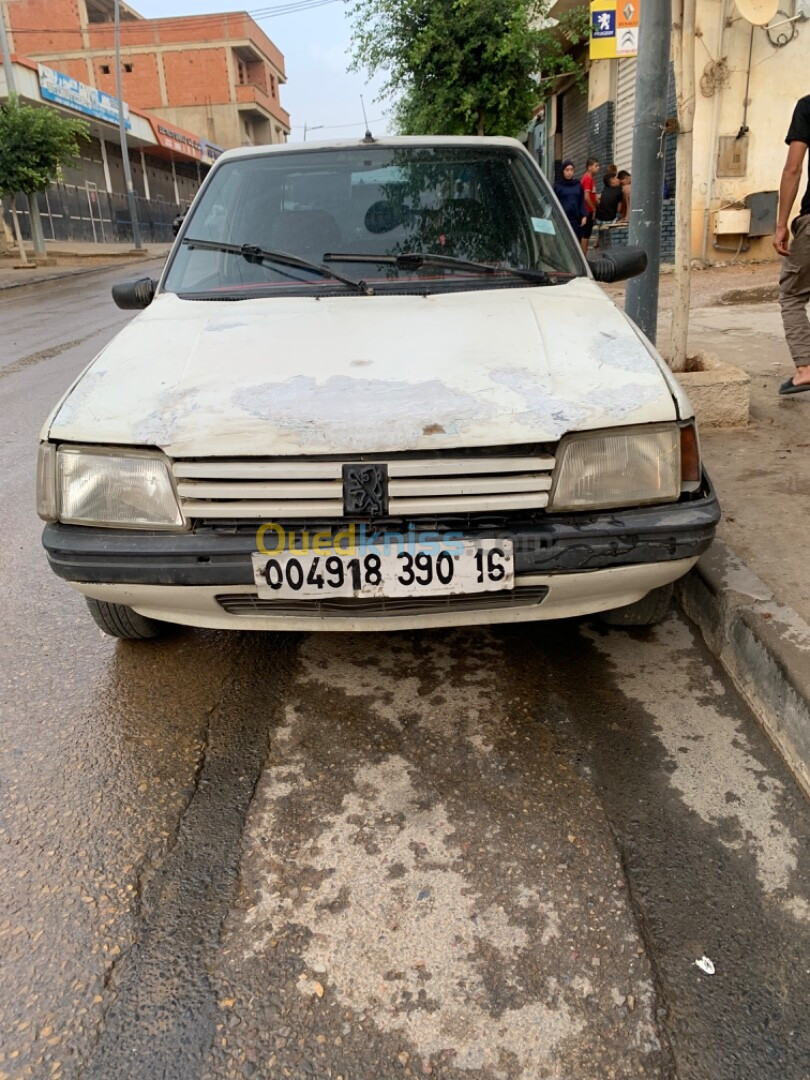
{"points": [[591, 199]]}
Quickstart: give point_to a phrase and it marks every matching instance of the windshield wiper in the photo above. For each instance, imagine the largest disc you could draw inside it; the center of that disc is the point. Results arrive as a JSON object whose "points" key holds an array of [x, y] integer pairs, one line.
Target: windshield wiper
{"points": [[259, 255], [412, 260]]}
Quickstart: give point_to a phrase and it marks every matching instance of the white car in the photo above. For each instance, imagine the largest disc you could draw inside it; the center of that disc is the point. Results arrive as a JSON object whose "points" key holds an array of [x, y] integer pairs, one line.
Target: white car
{"points": [[375, 387]]}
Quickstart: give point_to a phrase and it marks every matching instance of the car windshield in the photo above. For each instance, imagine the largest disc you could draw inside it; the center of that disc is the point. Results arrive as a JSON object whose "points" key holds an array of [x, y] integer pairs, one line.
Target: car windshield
{"points": [[343, 207]]}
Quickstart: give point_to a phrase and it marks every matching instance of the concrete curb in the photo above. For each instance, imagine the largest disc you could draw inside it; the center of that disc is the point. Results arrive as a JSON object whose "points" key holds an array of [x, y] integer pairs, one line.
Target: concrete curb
{"points": [[762, 644]]}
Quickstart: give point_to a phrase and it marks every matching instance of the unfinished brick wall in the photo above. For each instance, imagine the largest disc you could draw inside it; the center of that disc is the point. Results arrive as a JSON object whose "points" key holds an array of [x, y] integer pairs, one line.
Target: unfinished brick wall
{"points": [[141, 84], [38, 26], [196, 76], [75, 67], [168, 64]]}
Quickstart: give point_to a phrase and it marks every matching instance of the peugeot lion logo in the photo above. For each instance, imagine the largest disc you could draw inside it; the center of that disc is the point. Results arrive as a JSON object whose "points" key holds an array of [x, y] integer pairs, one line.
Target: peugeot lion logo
{"points": [[365, 490]]}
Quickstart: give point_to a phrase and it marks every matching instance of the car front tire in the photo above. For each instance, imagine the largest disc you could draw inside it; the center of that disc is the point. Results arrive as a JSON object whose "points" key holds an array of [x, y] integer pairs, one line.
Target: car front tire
{"points": [[647, 611], [120, 621]]}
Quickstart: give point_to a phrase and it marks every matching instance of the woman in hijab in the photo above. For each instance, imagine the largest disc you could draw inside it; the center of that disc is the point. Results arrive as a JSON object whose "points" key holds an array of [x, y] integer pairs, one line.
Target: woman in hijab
{"points": [[572, 198]]}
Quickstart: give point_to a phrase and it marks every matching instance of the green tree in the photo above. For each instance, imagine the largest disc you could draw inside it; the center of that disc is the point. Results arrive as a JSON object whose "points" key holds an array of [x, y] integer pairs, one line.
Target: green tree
{"points": [[463, 67], [35, 142]]}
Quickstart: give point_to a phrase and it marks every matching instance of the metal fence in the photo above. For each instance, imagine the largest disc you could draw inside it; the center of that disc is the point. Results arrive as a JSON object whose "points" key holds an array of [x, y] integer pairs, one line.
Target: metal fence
{"points": [[84, 213]]}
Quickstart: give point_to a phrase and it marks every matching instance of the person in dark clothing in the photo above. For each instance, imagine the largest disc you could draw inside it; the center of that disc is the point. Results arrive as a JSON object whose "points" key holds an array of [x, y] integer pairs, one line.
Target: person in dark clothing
{"points": [[794, 279], [572, 198], [608, 208]]}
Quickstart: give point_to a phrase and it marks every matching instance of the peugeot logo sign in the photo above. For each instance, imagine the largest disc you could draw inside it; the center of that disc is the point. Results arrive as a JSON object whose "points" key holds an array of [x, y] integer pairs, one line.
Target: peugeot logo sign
{"points": [[365, 490]]}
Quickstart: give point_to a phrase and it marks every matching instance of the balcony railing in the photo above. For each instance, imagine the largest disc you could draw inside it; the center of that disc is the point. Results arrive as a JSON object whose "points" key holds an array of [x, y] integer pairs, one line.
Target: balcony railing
{"points": [[250, 94]]}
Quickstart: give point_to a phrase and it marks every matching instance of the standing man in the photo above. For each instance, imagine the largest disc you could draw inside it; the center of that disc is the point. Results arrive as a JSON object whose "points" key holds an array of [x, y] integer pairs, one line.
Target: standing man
{"points": [[794, 280], [588, 182]]}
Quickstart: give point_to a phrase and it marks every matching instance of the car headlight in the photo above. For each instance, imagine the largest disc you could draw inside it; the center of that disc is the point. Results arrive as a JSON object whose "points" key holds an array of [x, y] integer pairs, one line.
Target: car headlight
{"points": [[631, 467], [112, 489]]}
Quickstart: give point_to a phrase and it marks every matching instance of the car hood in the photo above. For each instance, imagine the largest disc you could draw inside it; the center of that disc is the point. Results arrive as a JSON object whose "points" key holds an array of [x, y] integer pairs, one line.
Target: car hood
{"points": [[358, 374]]}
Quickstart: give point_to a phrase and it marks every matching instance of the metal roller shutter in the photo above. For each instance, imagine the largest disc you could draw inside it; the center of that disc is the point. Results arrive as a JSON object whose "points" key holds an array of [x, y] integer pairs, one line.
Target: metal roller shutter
{"points": [[575, 128], [625, 112]]}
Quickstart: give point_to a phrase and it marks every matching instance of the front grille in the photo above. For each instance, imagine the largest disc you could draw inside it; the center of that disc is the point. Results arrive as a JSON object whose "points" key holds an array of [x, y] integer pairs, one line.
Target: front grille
{"points": [[306, 489], [249, 604]]}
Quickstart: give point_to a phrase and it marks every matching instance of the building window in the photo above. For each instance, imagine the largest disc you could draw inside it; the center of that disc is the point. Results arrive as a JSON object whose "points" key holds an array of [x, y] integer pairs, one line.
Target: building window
{"points": [[127, 67], [105, 69]]}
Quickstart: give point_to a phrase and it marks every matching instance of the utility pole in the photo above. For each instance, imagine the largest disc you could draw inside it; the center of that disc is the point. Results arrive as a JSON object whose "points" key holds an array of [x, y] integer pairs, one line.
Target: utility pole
{"points": [[5, 236], [122, 129], [11, 86], [648, 160], [683, 51], [37, 235]]}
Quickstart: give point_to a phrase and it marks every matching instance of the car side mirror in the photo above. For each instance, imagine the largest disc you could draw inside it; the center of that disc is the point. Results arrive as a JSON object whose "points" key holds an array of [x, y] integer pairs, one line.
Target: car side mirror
{"points": [[133, 295], [618, 264]]}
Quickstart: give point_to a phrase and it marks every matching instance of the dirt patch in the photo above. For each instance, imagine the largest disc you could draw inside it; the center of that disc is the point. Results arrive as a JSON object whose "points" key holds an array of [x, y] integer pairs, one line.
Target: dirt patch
{"points": [[762, 294]]}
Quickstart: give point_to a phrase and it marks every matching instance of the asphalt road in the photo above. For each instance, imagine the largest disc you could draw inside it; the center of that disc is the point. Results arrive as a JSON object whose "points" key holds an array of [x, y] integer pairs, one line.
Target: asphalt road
{"points": [[479, 854]]}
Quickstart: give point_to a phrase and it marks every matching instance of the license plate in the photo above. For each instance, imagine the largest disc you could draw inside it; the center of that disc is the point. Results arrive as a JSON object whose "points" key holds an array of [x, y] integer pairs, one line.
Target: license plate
{"points": [[463, 566]]}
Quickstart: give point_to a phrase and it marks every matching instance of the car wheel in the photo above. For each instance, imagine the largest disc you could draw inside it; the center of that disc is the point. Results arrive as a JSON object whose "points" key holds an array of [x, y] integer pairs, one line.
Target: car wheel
{"points": [[647, 611], [121, 621]]}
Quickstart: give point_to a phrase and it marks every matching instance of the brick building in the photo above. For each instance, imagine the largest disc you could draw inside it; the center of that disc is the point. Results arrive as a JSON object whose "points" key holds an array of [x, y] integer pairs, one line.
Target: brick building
{"points": [[88, 200], [217, 75]]}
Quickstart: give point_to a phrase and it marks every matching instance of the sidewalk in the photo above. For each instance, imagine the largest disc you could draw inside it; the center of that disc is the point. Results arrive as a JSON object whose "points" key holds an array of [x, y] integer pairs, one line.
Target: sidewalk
{"points": [[762, 472], [751, 594], [69, 259]]}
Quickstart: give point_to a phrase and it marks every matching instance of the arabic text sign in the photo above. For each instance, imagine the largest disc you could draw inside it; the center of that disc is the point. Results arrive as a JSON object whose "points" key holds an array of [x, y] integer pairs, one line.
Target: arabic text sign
{"points": [[60, 88]]}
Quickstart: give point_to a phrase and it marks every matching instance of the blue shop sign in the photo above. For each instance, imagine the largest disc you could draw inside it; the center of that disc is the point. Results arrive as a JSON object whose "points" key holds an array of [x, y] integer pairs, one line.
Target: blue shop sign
{"points": [[603, 23], [62, 90], [210, 151]]}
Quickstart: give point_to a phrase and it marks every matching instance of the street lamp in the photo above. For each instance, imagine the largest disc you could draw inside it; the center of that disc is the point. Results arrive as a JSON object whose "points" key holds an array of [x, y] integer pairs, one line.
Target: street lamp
{"points": [[133, 206]]}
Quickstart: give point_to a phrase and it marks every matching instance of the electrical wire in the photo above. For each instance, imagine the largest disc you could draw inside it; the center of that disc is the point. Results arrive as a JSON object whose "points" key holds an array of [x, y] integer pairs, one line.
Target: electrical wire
{"points": [[782, 39], [258, 14]]}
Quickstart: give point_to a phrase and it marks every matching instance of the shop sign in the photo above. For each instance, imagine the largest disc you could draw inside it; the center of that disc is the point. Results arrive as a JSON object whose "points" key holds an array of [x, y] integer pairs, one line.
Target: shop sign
{"points": [[210, 151], [61, 89], [614, 28], [184, 142]]}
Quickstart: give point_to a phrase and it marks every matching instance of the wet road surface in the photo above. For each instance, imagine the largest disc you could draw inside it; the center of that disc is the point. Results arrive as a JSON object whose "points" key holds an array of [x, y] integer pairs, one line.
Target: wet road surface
{"points": [[480, 853]]}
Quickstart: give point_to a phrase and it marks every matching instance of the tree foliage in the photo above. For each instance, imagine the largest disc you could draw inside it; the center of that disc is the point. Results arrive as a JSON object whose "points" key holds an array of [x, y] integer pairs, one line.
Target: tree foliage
{"points": [[34, 143], [558, 50], [463, 67]]}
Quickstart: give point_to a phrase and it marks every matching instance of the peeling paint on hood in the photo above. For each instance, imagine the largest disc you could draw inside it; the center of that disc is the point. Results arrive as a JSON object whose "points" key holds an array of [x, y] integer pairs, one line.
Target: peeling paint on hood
{"points": [[355, 374]]}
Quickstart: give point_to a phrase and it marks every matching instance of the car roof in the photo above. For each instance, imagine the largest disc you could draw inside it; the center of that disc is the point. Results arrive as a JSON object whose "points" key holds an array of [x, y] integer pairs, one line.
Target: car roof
{"points": [[478, 141]]}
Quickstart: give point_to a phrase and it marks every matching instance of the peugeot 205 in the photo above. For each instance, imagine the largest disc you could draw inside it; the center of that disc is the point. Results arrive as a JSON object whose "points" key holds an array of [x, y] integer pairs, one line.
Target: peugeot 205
{"points": [[376, 386]]}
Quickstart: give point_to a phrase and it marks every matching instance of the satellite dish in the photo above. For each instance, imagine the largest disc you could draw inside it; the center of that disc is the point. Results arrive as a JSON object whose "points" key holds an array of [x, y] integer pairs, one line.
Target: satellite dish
{"points": [[758, 12]]}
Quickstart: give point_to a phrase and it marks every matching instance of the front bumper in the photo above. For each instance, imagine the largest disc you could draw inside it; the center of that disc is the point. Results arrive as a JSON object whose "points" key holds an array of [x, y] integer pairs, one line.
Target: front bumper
{"points": [[572, 563]]}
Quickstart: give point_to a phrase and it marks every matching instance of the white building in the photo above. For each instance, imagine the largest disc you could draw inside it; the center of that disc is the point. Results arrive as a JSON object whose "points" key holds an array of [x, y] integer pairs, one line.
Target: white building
{"points": [[748, 78]]}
